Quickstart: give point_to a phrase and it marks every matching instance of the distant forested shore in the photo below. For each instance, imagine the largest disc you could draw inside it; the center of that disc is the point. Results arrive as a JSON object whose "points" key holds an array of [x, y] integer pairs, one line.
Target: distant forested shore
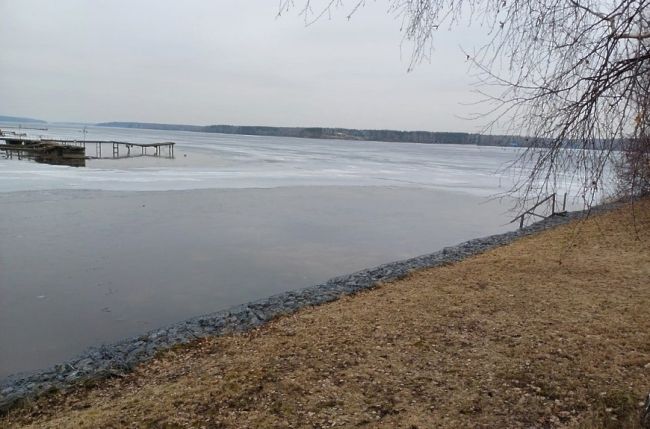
{"points": [[427, 137], [396, 136], [21, 120]]}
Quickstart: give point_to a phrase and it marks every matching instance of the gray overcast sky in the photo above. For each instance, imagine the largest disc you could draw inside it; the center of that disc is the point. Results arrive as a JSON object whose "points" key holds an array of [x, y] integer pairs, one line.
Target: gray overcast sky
{"points": [[224, 62]]}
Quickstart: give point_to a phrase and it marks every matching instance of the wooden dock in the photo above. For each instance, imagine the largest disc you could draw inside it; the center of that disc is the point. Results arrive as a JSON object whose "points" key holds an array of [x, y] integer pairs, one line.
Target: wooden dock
{"points": [[20, 145], [125, 146], [48, 153]]}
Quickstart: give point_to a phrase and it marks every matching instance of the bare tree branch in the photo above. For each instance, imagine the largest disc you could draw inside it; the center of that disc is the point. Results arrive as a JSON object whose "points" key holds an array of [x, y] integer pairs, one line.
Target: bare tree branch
{"points": [[570, 75]]}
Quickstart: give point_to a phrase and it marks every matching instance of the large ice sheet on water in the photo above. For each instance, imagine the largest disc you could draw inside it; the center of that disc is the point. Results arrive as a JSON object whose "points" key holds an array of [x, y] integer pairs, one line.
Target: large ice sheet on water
{"points": [[206, 161]]}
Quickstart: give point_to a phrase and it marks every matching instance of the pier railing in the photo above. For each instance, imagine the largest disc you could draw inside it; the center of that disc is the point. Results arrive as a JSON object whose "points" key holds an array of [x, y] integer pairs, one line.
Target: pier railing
{"points": [[531, 211]]}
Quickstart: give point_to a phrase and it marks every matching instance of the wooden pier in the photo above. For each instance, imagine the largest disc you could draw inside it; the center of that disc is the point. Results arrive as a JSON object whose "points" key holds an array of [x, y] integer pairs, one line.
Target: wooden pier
{"points": [[22, 146], [162, 149], [48, 153]]}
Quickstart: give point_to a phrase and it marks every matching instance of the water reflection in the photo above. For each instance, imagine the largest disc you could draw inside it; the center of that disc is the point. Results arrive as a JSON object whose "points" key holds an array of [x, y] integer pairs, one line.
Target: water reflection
{"points": [[73, 156], [73, 153]]}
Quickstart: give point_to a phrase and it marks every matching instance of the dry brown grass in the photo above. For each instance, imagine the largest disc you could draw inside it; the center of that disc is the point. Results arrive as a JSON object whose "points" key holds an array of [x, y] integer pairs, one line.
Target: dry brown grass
{"points": [[551, 331]]}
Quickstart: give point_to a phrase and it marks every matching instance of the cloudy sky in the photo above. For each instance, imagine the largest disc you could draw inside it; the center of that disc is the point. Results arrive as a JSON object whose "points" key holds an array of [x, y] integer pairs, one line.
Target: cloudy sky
{"points": [[225, 62]]}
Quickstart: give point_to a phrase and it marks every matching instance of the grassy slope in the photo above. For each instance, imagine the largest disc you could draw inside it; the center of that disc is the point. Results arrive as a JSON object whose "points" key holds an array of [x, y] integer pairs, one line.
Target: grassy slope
{"points": [[553, 330]]}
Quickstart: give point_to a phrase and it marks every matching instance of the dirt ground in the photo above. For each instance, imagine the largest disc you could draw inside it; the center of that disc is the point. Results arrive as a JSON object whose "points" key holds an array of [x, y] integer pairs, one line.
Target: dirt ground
{"points": [[550, 331]]}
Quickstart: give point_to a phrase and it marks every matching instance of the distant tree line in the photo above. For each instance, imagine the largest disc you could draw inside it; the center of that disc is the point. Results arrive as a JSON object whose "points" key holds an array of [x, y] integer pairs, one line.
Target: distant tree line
{"points": [[427, 137]]}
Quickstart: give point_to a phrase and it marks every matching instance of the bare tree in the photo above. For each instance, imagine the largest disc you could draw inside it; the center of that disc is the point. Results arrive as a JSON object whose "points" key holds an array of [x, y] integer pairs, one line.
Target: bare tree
{"points": [[570, 75]]}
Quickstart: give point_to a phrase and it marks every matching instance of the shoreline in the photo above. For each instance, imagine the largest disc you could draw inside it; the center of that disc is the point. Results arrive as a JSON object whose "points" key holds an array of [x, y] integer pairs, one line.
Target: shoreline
{"points": [[118, 358], [334, 133]]}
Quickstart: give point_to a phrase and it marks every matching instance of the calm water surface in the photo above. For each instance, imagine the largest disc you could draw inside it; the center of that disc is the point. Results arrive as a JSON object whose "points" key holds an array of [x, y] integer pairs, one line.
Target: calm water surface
{"points": [[95, 254]]}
